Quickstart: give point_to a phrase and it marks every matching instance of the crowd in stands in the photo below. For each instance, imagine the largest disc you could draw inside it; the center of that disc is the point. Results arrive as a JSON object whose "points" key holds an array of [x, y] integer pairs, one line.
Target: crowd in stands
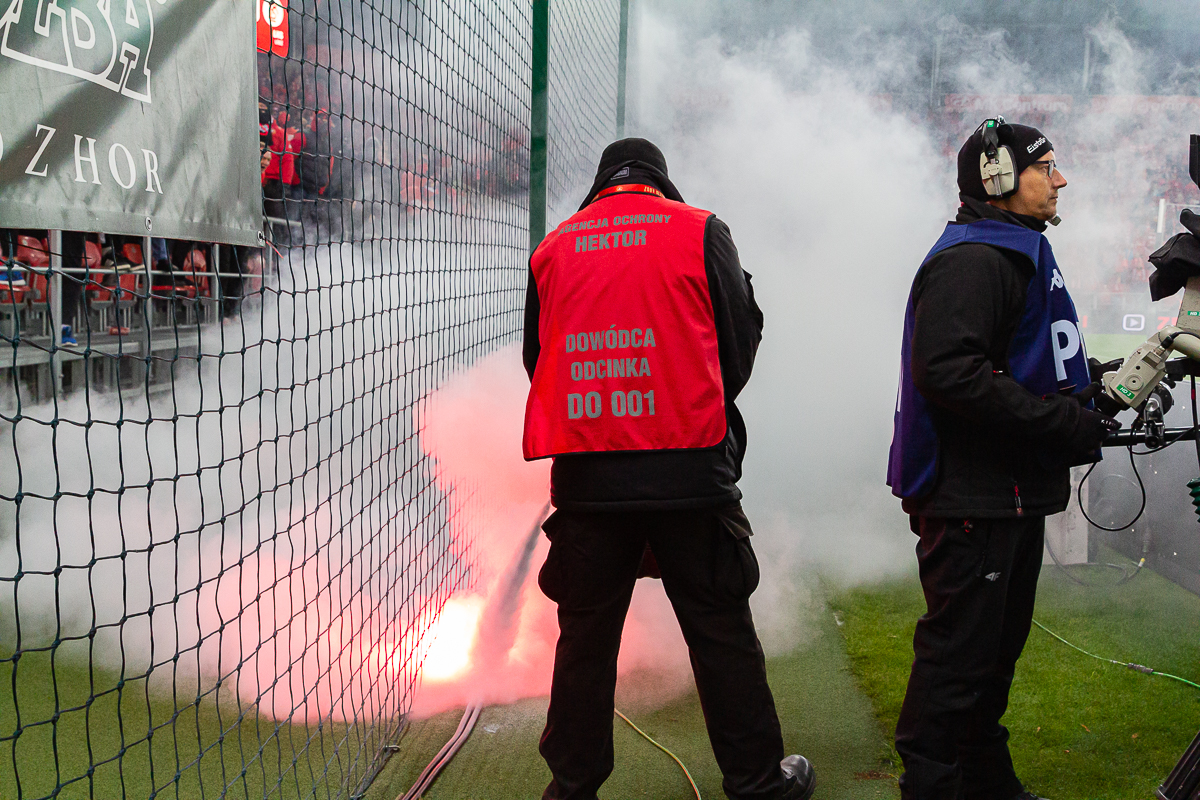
{"points": [[311, 151], [105, 277]]}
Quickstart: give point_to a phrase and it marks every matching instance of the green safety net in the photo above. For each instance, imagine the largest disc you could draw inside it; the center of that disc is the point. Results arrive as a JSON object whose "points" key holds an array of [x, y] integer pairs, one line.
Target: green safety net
{"points": [[222, 541]]}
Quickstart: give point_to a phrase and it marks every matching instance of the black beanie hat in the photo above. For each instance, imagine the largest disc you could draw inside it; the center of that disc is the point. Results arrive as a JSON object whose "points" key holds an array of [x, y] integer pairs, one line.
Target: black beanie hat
{"points": [[632, 152], [1028, 145]]}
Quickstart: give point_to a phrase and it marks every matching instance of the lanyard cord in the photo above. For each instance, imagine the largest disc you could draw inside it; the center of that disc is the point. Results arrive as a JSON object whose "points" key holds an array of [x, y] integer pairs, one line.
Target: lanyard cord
{"points": [[633, 188]]}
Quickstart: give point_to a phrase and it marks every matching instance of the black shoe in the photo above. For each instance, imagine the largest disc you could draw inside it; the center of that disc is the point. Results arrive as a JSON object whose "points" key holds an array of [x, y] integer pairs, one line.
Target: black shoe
{"points": [[801, 780]]}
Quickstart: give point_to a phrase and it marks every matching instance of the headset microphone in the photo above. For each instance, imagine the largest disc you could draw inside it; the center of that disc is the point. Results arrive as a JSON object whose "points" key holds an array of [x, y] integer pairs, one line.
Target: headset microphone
{"points": [[997, 164]]}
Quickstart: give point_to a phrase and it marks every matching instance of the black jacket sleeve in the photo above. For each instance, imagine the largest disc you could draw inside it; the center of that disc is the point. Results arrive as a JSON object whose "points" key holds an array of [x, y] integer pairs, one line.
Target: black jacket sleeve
{"points": [[967, 303], [738, 319], [531, 347]]}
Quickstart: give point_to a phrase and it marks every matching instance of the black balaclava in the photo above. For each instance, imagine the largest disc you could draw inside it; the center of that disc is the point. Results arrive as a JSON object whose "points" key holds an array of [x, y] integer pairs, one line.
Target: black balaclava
{"points": [[1028, 145], [636, 155]]}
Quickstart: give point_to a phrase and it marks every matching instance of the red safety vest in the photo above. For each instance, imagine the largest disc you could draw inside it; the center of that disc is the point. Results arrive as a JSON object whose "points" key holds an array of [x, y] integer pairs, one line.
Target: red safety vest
{"points": [[629, 346]]}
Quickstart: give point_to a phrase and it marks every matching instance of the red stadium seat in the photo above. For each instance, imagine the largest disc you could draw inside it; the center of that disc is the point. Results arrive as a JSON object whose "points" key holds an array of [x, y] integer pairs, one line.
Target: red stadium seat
{"points": [[91, 254], [11, 297], [196, 282], [252, 272], [131, 252], [12, 287], [33, 252], [92, 261], [37, 297]]}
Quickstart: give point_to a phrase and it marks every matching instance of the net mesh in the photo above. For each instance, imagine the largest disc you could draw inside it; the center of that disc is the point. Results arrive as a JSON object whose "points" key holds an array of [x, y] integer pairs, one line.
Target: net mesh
{"points": [[222, 544], [584, 37]]}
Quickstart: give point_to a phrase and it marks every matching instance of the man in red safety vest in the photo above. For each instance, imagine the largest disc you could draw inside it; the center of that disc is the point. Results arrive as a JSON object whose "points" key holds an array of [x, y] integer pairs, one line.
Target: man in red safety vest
{"points": [[640, 331]]}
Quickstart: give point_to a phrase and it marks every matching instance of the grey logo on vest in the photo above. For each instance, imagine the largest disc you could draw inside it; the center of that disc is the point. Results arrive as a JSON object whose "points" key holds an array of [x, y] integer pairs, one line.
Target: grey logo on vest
{"points": [[991, 576]]}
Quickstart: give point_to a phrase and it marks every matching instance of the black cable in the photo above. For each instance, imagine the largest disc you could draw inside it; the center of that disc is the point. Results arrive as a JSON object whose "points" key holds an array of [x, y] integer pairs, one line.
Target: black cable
{"points": [[1170, 340], [1141, 487], [1126, 573]]}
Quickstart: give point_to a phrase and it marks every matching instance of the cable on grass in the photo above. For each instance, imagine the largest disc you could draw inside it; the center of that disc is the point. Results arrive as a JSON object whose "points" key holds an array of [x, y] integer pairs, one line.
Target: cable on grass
{"points": [[1135, 667], [449, 750], [674, 757]]}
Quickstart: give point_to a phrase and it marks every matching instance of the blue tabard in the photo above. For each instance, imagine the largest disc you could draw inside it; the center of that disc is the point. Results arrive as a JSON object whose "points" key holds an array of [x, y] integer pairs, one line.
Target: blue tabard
{"points": [[1046, 355]]}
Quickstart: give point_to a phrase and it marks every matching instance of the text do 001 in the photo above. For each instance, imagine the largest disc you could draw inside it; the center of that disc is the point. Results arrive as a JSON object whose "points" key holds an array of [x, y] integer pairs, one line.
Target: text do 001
{"points": [[632, 403]]}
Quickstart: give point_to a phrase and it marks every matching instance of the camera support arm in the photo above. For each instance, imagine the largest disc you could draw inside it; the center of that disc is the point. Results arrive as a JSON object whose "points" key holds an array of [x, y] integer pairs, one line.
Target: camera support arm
{"points": [[1132, 384]]}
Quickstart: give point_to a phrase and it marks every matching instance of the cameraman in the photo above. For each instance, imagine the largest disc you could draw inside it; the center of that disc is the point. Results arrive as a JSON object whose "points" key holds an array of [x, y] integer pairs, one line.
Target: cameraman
{"points": [[994, 409]]}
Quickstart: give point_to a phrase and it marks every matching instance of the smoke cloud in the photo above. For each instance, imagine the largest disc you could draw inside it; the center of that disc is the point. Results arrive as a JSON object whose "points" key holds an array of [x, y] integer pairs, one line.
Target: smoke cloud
{"points": [[835, 185], [249, 514]]}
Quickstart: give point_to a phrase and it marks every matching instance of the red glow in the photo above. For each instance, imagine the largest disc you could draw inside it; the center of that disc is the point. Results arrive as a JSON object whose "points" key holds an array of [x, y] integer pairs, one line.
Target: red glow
{"points": [[288, 633], [472, 427]]}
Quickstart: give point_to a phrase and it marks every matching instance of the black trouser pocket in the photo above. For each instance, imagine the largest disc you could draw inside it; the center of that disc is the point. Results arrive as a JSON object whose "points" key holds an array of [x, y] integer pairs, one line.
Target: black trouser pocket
{"points": [[551, 577], [735, 565]]}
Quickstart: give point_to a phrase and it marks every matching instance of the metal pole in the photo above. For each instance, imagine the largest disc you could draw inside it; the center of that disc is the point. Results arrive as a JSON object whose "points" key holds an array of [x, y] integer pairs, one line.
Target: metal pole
{"points": [[147, 303], [933, 72], [622, 62], [1087, 64], [1128, 437], [1162, 221], [539, 122], [215, 290], [56, 310]]}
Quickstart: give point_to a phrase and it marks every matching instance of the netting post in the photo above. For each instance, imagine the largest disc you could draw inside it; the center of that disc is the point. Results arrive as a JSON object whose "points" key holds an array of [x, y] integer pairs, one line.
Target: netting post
{"points": [[148, 303], [539, 122], [622, 60], [56, 309]]}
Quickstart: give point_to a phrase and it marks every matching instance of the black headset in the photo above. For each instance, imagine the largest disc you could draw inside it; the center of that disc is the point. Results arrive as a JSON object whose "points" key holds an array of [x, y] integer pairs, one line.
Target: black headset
{"points": [[997, 164]]}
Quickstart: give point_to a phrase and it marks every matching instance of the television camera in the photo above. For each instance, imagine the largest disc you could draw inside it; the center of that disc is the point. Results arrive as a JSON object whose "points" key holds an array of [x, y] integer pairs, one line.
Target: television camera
{"points": [[1143, 383]]}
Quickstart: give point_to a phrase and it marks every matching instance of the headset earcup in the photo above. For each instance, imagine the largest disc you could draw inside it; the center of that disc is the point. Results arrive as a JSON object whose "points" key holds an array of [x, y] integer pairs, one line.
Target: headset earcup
{"points": [[1007, 176], [1009, 179]]}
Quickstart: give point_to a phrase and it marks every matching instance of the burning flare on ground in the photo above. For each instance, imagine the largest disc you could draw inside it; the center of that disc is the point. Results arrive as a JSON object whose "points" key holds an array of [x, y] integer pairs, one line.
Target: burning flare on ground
{"points": [[448, 654], [496, 644]]}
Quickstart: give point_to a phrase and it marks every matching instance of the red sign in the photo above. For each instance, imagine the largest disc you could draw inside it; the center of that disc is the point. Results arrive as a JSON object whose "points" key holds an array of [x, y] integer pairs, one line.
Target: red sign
{"points": [[272, 19], [1010, 104], [1143, 104]]}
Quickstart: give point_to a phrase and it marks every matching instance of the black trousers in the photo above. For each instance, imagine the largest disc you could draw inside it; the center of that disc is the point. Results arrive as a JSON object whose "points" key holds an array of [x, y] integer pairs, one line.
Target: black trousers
{"points": [[979, 579], [709, 571]]}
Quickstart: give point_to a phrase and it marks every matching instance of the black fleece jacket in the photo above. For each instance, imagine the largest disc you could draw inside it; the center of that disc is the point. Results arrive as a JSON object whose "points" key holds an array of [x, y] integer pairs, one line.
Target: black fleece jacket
{"points": [[1002, 449], [659, 480]]}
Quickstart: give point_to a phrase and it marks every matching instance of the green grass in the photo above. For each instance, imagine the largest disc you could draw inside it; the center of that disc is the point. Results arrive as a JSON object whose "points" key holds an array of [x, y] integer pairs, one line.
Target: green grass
{"points": [[1073, 719], [1107, 346], [1080, 727], [822, 713], [192, 753]]}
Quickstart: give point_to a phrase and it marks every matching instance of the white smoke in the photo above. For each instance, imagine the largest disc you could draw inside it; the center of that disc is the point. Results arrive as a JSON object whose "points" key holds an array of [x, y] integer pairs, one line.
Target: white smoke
{"points": [[253, 498], [834, 196], [832, 199], [270, 522]]}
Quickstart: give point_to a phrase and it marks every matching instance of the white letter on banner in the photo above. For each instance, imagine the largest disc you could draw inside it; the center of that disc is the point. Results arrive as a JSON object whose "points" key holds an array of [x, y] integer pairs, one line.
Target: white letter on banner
{"points": [[82, 42], [90, 158], [29, 170], [1065, 338], [112, 166], [152, 171]]}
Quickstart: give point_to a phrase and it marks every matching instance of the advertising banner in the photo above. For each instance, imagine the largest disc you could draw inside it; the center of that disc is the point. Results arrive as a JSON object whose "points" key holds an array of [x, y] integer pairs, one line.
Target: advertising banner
{"points": [[134, 117], [272, 19]]}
